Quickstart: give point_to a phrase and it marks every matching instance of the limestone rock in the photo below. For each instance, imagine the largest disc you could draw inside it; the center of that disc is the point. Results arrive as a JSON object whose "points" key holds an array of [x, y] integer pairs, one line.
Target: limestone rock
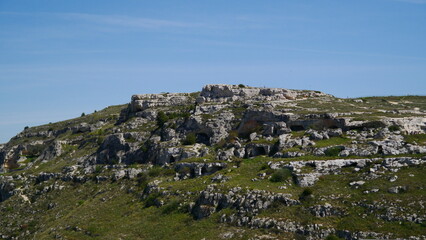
{"points": [[145, 101]]}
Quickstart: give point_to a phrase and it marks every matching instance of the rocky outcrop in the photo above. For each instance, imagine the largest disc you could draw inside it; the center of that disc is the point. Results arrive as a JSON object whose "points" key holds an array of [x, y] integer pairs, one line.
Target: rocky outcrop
{"points": [[163, 153], [325, 210], [223, 93], [244, 202], [11, 157], [315, 231], [325, 167], [145, 101], [286, 141], [409, 125], [52, 151], [194, 169], [115, 149], [6, 188]]}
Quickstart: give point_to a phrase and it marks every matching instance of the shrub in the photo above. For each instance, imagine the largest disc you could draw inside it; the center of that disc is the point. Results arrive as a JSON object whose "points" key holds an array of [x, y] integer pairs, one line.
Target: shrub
{"points": [[264, 166], [248, 128], [190, 139], [160, 171], [98, 169], [394, 128], [34, 150], [162, 118], [146, 146], [374, 124], [185, 170], [155, 171], [142, 179], [241, 85], [173, 206], [151, 199], [114, 161], [83, 114], [26, 127], [333, 151], [232, 137], [280, 175], [306, 194], [332, 237]]}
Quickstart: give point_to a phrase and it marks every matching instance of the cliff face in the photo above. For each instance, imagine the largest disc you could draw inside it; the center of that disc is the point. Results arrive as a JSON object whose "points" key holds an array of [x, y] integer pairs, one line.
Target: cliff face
{"points": [[303, 163]]}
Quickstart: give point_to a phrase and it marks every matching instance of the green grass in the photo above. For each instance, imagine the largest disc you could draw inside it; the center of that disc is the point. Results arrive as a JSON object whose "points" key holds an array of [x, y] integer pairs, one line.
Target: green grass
{"points": [[333, 141], [109, 212], [345, 196], [418, 138]]}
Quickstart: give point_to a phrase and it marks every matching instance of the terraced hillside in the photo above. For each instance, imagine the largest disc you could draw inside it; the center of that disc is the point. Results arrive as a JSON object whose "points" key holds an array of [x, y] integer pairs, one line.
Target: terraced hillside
{"points": [[229, 162]]}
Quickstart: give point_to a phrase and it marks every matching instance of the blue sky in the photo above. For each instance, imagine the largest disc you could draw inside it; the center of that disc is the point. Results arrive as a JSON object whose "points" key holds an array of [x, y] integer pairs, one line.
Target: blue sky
{"points": [[59, 58]]}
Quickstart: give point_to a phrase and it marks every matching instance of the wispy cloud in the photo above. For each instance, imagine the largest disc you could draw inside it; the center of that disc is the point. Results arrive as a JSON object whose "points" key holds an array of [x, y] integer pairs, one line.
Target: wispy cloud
{"points": [[113, 20], [307, 50], [126, 21], [413, 1]]}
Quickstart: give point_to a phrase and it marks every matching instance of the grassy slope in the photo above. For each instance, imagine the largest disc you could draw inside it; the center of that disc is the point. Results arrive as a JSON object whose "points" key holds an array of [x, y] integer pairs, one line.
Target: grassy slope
{"points": [[115, 210]]}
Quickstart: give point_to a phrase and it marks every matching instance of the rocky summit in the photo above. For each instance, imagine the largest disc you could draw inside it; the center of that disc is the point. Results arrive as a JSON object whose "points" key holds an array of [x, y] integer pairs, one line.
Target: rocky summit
{"points": [[229, 162]]}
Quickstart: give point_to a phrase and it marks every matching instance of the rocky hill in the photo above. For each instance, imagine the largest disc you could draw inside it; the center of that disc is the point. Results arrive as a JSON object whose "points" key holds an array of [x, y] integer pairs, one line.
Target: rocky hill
{"points": [[229, 162]]}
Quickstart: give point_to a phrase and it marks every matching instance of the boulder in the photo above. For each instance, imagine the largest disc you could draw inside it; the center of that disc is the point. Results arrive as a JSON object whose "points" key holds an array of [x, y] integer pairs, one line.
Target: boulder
{"points": [[397, 189]]}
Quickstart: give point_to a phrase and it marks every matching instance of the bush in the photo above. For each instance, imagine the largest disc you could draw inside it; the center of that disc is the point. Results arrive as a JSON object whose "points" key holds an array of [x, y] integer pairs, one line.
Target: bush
{"points": [[173, 206], [241, 85], [146, 146], [155, 171], [264, 166], [280, 175], [98, 169], [185, 170], [373, 124], [162, 118], [142, 180], [34, 150], [248, 128], [190, 139], [306, 194], [332, 237], [232, 136], [333, 151], [83, 114], [160, 171], [394, 128], [152, 199]]}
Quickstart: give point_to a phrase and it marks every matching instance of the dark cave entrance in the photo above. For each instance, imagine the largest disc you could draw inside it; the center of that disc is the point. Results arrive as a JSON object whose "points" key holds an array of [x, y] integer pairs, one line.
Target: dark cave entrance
{"points": [[297, 128], [203, 138]]}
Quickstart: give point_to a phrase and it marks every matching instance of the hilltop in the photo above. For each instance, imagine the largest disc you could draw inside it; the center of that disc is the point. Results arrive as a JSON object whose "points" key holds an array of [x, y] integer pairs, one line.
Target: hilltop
{"points": [[228, 162]]}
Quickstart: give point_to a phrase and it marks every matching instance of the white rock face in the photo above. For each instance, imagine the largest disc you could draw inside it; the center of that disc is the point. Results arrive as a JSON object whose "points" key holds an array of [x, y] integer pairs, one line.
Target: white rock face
{"points": [[223, 92], [144, 101], [410, 125], [219, 93]]}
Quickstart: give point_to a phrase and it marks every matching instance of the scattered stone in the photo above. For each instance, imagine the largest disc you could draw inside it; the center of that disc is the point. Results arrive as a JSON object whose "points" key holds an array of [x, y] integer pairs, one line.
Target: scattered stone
{"points": [[398, 189]]}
